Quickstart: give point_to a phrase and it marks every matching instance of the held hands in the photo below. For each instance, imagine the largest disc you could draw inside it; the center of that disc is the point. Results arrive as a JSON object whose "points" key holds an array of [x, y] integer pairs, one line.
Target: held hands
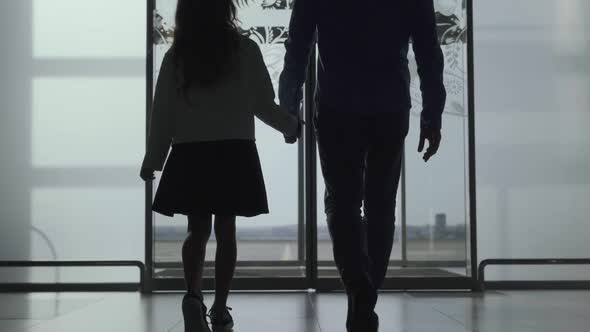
{"points": [[297, 111], [147, 174], [293, 139], [433, 136], [290, 139]]}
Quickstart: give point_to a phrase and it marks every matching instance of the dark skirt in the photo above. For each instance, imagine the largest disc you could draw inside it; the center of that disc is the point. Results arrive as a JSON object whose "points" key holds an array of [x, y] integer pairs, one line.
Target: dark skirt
{"points": [[221, 178]]}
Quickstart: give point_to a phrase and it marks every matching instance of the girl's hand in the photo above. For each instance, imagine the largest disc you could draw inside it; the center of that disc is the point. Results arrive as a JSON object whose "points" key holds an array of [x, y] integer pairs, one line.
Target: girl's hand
{"points": [[294, 138], [147, 174]]}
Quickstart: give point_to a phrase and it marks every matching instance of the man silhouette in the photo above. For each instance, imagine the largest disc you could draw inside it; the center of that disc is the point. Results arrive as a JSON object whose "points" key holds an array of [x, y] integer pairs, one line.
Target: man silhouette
{"points": [[363, 102]]}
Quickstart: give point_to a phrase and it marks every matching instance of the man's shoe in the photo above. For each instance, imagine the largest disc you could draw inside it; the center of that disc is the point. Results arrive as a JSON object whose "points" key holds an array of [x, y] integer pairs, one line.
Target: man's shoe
{"points": [[361, 315], [194, 313], [366, 324]]}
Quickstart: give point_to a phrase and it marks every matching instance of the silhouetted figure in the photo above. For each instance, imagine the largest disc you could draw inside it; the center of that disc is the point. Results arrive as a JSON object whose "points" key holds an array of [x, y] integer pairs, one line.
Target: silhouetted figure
{"points": [[212, 83], [363, 103]]}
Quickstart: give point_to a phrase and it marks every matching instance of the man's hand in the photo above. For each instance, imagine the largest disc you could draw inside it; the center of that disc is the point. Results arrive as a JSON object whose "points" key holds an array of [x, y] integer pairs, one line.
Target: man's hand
{"points": [[147, 174], [434, 137]]}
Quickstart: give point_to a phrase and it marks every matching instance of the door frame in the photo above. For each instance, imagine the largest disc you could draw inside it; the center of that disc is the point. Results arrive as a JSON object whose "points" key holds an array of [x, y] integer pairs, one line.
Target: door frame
{"points": [[307, 206]]}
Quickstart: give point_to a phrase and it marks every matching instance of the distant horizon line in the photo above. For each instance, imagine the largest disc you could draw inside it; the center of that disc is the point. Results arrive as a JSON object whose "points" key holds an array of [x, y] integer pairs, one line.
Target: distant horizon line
{"points": [[290, 233]]}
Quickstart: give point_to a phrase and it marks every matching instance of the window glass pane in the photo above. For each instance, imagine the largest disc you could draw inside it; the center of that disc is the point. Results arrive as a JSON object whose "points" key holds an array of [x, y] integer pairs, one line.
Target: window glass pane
{"points": [[533, 147], [88, 28], [436, 192], [88, 122], [72, 137], [87, 224], [436, 196]]}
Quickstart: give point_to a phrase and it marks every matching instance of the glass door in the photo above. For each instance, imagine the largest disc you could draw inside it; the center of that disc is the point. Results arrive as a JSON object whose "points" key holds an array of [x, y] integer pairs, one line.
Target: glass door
{"points": [[432, 238], [290, 248], [436, 193], [269, 246]]}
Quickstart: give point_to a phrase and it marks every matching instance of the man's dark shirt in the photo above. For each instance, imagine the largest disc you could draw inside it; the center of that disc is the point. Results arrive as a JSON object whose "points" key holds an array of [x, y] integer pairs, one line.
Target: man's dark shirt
{"points": [[363, 49]]}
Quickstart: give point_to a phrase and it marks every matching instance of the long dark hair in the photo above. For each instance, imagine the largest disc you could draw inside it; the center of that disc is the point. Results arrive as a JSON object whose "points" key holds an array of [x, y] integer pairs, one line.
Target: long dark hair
{"points": [[206, 39]]}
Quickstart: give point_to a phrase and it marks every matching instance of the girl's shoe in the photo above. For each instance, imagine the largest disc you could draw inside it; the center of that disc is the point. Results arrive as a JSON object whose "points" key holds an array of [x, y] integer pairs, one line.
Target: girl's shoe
{"points": [[194, 312], [221, 320]]}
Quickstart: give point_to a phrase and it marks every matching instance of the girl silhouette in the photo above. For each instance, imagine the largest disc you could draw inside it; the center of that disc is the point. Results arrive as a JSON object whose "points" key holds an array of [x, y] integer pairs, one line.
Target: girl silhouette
{"points": [[212, 84]]}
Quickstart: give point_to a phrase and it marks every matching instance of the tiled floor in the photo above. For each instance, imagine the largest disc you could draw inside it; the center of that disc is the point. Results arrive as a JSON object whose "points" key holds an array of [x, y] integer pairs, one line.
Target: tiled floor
{"points": [[301, 312]]}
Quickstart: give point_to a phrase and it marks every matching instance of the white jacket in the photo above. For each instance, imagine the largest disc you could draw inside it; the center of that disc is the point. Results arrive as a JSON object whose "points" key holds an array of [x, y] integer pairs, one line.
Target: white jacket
{"points": [[221, 112]]}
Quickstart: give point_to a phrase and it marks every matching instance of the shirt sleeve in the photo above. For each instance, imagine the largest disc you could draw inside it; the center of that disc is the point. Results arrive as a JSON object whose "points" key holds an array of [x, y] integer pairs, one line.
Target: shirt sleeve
{"points": [[265, 107], [299, 44], [430, 60], [162, 117]]}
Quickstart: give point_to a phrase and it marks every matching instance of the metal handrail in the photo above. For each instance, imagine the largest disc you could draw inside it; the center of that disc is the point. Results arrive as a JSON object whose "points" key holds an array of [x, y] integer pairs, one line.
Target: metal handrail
{"points": [[534, 261], [74, 263]]}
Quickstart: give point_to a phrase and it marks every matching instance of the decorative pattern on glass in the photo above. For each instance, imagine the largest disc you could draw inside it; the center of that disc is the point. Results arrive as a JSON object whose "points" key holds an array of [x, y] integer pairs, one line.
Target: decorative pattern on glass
{"points": [[451, 22]]}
